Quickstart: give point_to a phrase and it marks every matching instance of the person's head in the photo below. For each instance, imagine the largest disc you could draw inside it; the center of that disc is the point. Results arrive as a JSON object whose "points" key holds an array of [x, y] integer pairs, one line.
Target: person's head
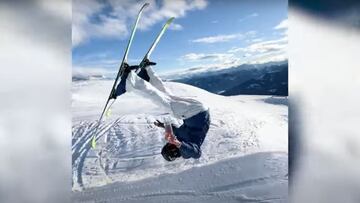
{"points": [[170, 152]]}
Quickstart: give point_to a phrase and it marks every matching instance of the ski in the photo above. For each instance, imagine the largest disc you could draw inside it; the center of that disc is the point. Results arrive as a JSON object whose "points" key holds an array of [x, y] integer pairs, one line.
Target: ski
{"points": [[121, 69], [154, 44]]}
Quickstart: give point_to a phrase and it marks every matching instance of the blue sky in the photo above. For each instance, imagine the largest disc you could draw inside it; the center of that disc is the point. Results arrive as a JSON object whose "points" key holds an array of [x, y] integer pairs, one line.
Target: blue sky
{"points": [[205, 33]]}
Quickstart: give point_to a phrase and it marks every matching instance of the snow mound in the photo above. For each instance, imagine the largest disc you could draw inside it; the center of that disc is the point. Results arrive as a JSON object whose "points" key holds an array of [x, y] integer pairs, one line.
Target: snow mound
{"points": [[240, 125]]}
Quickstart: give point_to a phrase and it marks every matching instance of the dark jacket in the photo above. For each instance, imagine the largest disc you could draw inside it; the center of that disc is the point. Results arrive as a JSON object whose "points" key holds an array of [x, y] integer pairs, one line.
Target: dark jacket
{"points": [[192, 134]]}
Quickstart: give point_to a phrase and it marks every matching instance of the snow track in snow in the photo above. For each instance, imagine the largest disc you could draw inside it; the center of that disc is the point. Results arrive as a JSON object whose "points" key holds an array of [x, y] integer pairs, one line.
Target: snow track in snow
{"points": [[109, 157]]}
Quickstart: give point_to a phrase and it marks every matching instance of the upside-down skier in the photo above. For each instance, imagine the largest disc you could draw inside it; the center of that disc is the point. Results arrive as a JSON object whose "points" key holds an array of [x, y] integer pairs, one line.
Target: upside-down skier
{"points": [[186, 140]]}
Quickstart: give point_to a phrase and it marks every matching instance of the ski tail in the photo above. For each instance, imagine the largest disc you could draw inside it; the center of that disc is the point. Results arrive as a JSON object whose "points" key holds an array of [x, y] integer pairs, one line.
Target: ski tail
{"points": [[156, 41], [93, 142], [123, 62]]}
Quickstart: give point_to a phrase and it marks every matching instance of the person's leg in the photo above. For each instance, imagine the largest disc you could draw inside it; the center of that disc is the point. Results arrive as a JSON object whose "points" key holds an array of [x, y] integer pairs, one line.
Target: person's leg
{"points": [[149, 75], [198, 126], [121, 87], [143, 74], [145, 81], [134, 82]]}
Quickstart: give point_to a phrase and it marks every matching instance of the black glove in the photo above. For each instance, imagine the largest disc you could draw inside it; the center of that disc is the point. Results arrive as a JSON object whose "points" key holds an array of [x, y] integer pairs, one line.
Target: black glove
{"points": [[159, 124]]}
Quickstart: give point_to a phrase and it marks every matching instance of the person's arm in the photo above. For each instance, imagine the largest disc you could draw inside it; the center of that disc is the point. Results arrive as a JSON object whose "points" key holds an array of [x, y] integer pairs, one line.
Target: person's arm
{"points": [[190, 150], [187, 149]]}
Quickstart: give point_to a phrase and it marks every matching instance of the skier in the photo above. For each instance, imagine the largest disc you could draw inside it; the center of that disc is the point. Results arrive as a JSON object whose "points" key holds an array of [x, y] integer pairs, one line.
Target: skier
{"points": [[186, 140]]}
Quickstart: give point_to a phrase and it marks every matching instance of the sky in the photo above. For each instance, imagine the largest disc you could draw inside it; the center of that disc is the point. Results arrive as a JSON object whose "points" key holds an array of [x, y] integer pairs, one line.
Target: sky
{"points": [[205, 33]]}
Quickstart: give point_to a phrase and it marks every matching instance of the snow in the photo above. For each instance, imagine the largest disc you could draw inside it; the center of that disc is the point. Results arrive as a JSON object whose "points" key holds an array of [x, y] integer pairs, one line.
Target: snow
{"points": [[244, 154]]}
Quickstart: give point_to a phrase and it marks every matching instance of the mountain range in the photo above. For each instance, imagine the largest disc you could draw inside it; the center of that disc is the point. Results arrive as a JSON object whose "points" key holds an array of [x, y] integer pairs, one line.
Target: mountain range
{"points": [[249, 79]]}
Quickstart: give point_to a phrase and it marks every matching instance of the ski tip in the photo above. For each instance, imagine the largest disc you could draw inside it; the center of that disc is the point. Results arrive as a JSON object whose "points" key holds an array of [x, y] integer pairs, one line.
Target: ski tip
{"points": [[145, 5], [170, 20]]}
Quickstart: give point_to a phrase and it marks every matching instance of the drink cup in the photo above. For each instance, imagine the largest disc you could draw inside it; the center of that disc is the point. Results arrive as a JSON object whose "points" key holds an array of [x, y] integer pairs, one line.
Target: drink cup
{"points": [[168, 128]]}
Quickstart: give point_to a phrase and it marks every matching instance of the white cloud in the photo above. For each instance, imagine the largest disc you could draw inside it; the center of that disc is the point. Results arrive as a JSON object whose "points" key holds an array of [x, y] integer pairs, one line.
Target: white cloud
{"points": [[257, 40], [268, 46], [259, 51], [263, 46], [217, 38], [263, 51], [256, 53], [267, 57], [211, 61], [253, 15], [282, 25], [175, 26], [90, 21], [81, 25], [202, 56], [224, 38], [247, 55]]}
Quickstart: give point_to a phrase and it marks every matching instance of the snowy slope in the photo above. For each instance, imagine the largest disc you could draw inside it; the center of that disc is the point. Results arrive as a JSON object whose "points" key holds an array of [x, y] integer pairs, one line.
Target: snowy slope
{"points": [[131, 167]]}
